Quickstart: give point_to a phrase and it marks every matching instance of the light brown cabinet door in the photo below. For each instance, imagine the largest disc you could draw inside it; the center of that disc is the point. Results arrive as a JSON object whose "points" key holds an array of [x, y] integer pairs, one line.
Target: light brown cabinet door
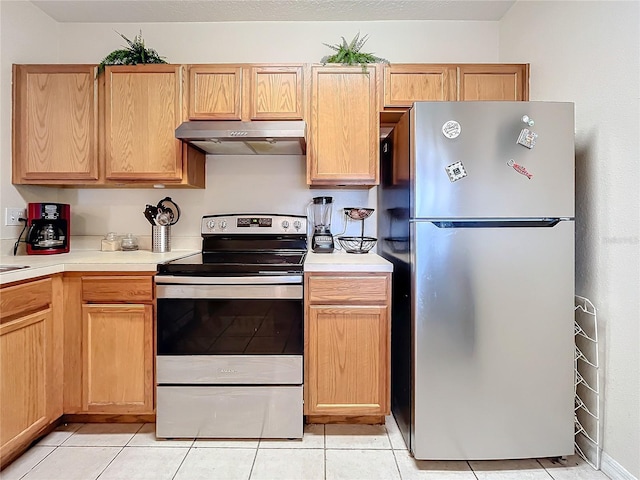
{"points": [[343, 123], [215, 92], [276, 92], [246, 92], [117, 352], [25, 379], [347, 360], [408, 83], [55, 124], [493, 82], [144, 106]]}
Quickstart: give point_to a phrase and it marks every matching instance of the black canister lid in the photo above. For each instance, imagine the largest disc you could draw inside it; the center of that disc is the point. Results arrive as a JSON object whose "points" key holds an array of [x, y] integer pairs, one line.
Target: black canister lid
{"points": [[322, 200]]}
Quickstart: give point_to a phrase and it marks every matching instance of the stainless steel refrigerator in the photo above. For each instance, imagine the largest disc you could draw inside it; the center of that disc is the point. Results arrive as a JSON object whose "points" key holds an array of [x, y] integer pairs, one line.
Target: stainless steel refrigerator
{"points": [[476, 212]]}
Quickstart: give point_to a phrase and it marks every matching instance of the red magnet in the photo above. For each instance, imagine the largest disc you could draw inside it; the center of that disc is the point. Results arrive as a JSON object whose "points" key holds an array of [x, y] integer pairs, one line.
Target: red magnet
{"points": [[519, 168]]}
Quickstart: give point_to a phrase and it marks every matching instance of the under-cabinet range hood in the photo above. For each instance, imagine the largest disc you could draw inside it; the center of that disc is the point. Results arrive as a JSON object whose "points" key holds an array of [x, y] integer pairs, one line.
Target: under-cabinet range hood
{"points": [[245, 138]]}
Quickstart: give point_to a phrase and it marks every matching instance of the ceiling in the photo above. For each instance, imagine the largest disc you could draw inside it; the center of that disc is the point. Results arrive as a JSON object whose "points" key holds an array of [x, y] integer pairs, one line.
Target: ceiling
{"points": [[137, 11]]}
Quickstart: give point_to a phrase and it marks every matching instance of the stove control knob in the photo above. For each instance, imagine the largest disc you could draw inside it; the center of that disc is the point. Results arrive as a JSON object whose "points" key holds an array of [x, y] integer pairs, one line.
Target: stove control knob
{"points": [[211, 224], [297, 225], [285, 224], [223, 224]]}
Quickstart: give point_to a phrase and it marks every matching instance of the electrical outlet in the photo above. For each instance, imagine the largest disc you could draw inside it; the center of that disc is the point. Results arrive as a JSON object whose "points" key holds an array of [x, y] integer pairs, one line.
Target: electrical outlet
{"points": [[13, 214]]}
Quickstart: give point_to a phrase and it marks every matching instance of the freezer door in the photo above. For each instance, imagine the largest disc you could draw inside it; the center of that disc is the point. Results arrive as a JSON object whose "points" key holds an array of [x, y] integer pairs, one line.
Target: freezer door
{"points": [[474, 171], [493, 341]]}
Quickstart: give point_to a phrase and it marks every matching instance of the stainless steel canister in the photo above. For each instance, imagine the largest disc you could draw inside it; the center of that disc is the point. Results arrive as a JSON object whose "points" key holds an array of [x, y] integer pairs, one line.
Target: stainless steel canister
{"points": [[161, 238]]}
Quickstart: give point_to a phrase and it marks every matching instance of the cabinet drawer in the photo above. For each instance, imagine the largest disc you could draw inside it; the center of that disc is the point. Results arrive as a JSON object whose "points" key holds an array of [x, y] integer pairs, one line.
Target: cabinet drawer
{"points": [[117, 289], [27, 297], [348, 289]]}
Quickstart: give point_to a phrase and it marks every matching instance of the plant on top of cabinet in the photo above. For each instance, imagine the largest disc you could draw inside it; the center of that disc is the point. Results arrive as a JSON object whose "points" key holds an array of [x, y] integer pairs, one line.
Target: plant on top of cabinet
{"points": [[350, 54], [134, 54]]}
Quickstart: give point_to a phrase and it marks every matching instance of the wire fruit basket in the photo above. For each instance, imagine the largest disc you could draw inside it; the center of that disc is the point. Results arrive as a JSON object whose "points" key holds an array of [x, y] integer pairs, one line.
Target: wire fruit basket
{"points": [[357, 244]]}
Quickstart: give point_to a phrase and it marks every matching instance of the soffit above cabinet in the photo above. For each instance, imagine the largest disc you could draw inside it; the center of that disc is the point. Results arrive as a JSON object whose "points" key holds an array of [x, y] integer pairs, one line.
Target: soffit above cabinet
{"points": [[136, 11]]}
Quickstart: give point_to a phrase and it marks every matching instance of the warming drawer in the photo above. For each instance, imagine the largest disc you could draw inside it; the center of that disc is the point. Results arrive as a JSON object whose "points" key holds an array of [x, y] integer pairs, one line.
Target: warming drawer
{"points": [[229, 412]]}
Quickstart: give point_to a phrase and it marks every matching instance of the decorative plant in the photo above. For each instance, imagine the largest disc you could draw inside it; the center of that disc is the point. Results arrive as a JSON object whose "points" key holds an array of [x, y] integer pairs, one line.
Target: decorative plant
{"points": [[350, 54], [135, 53]]}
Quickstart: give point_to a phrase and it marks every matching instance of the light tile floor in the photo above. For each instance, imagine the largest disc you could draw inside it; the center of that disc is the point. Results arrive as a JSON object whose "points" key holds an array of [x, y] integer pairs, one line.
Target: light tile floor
{"points": [[331, 452]]}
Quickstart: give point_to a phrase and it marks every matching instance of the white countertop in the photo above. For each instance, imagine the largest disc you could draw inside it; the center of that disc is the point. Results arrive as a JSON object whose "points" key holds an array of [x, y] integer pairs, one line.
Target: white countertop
{"points": [[340, 261], [86, 261], [146, 261]]}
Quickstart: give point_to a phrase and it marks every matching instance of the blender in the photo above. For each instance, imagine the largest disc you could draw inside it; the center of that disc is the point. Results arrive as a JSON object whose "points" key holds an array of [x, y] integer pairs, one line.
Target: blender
{"points": [[322, 240]]}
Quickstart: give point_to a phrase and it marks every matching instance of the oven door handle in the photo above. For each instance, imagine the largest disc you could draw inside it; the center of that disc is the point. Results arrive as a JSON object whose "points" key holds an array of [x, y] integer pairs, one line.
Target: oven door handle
{"points": [[213, 292], [241, 281]]}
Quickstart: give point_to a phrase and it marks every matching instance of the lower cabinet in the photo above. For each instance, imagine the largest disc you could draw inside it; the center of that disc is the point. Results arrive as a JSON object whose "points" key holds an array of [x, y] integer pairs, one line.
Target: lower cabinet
{"points": [[109, 344], [30, 363], [347, 346], [117, 353]]}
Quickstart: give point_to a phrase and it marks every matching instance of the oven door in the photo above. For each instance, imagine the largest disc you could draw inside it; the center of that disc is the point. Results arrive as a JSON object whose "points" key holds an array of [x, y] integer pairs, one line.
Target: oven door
{"points": [[229, 357], [251, 318]]}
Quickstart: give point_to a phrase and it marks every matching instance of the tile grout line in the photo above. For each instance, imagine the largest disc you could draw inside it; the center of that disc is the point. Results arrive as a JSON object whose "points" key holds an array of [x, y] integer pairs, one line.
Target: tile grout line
{"points": [[253, 464], [544, 468], [324, 447], [55, 447], [472, 470], [393, 452], [182, 462], [110, 462], [117, 454]]}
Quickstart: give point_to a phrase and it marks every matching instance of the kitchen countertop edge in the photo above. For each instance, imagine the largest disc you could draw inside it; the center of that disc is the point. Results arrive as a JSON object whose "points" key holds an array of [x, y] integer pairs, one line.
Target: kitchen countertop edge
{"points": [[146, 261], [85, 261], [340, 261]]}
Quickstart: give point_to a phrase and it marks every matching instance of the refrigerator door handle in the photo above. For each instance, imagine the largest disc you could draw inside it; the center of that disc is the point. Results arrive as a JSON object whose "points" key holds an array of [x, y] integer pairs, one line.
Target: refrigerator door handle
{"points": [[542, 222]]}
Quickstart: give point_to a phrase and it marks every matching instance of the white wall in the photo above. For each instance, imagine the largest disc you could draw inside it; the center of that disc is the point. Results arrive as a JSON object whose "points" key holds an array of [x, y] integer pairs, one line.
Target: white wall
{"points": [[260, 183], [586, 52], [26, 36], [589, 53]]}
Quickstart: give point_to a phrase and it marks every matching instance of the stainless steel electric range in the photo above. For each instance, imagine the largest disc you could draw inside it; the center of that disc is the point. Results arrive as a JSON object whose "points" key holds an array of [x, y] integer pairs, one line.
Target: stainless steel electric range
{"points": [[230, 331]]}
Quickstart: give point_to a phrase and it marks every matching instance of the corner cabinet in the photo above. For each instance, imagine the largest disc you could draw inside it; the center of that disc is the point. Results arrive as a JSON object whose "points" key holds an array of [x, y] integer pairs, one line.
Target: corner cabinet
{"points": [[109, 344], [55, 124], [246, 92], [144, 104], [30, 362], [408, 83], [347, 347], [343, 126]]}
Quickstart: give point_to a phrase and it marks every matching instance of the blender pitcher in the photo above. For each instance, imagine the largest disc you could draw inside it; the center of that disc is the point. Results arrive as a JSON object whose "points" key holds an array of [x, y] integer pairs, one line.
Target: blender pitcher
{"points": [[322, 240]]}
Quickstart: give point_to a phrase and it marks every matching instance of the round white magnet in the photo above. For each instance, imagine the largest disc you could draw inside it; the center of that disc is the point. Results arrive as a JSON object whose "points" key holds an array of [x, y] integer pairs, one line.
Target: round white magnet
{"points": [[451, 129]]}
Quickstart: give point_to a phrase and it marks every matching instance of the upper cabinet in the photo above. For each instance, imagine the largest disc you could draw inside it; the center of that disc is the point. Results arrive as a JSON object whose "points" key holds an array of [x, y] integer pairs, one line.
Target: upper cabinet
{"points": [[216, 92], [55, 124], [343, 126], [118, 129], [246, 92], [493, 82], [408, 83], [143, 107]]}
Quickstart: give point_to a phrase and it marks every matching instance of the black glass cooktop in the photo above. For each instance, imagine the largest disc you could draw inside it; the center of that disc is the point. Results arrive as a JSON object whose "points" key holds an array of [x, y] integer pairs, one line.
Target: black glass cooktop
{"points": [[235, 263]]}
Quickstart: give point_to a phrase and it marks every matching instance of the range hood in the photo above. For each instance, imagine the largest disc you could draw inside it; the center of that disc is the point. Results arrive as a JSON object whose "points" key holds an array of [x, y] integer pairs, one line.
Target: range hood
{"points": [[245, 138]]}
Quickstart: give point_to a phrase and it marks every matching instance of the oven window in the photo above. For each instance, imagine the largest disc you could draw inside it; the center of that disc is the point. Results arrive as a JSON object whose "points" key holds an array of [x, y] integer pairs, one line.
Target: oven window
{"points": [[229, 327]]}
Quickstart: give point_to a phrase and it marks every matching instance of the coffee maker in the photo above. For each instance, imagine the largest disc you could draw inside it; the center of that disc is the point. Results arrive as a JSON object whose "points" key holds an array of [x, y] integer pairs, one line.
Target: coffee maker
{"points": [[49, 227], [322, 239]]}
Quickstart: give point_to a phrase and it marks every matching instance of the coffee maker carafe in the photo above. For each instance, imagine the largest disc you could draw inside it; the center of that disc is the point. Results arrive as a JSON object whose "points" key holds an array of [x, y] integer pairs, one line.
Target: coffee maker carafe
{"points": [[48, 228], [322, 239]]}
